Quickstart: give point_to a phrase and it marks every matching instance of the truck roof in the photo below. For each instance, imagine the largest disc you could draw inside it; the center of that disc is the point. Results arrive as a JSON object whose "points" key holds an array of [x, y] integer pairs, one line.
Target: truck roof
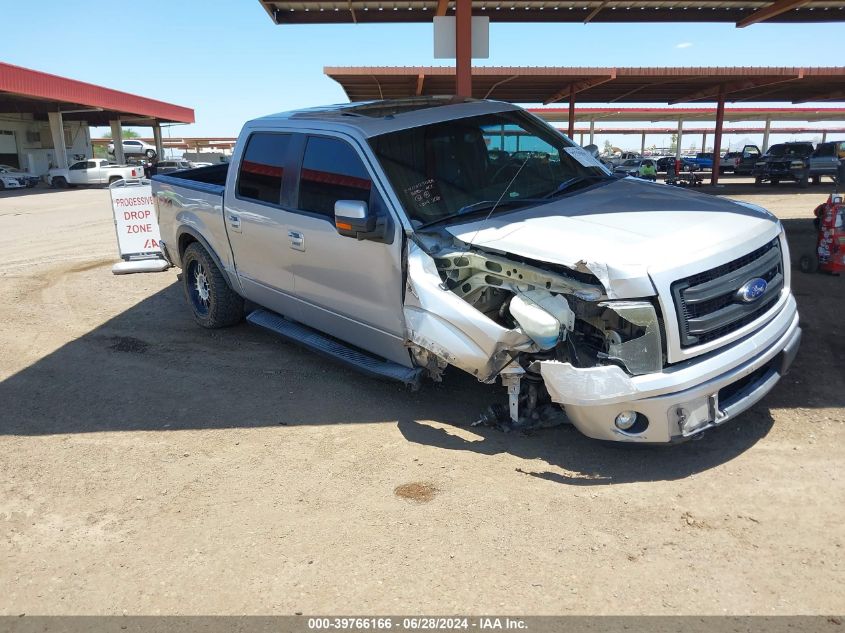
{"points": [[372, 118]]}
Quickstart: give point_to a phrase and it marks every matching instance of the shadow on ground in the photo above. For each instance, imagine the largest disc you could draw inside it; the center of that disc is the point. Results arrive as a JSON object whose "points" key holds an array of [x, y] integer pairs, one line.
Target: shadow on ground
{"points": [[151, 369]]}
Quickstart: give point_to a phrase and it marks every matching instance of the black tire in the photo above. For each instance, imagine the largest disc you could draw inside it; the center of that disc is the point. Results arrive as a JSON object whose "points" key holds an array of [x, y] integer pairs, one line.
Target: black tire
{"points": [[114, 179], [212, 302], [150, 153], [817, 180], [804, 182], [758, 181], [774, 182], [809, 263], [59, 182]]}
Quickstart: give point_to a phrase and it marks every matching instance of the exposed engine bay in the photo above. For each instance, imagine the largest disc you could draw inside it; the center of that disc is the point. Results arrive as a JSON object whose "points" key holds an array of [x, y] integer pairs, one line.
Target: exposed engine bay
{"points": [[499, 315]]}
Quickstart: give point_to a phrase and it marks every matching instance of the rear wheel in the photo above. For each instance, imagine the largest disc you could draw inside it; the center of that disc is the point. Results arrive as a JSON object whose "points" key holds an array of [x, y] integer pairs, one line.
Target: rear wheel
{"points": [[212, 302], [817, 180], [804, 182], [809, 263], [774, 181], [2, 185], [150, 153], [758, 181], [114, 179]]}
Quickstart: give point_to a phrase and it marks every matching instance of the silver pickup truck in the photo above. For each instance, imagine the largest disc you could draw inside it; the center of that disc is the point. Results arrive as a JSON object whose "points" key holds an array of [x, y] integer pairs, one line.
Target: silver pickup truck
{"points": [[402, 237]]}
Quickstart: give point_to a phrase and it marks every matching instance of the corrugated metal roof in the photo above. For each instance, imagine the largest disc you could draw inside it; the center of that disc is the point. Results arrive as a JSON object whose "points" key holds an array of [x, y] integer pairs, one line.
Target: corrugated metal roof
{"points": [[25, 90], [741, 12], [599, 85]]}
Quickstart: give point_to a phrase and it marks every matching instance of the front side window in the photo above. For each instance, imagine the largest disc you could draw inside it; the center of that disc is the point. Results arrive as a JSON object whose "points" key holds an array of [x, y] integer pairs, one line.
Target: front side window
{"points": [[78, 166], [442, 169], [262, 167], [331, 171]]}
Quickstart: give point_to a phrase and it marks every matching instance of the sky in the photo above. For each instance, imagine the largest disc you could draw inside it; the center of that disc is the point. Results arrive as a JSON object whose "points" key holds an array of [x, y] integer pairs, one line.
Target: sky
{"points": [[230, 63]]}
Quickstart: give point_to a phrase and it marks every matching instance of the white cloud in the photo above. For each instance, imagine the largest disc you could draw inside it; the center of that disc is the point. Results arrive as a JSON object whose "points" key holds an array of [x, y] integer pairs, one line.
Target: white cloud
{"points": [[683, 45]]}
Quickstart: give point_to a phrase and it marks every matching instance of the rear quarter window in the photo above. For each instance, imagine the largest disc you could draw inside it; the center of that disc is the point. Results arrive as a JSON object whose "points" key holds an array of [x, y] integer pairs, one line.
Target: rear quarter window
{"points": [[262, 167]]}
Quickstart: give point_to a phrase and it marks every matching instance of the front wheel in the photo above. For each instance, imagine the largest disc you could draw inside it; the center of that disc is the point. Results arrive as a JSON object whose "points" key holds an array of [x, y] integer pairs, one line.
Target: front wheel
{"points": [[212, 302], [59, 182]]}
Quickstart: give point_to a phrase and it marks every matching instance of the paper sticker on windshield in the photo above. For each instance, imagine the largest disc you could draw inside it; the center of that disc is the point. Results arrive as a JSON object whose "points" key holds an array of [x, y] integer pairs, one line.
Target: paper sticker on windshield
{"points": [[582, 156], [424, 193]]}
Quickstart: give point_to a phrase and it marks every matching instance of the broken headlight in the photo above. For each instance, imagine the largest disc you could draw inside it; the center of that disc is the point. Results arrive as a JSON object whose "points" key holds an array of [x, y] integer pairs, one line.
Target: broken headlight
{"points": [[632, 335]]}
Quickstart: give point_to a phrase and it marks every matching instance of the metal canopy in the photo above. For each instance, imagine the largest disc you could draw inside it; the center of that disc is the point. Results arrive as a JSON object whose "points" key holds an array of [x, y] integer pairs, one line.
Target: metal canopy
{"points": [[33, 92], [741, 12], [654, 115], [599, 85]]}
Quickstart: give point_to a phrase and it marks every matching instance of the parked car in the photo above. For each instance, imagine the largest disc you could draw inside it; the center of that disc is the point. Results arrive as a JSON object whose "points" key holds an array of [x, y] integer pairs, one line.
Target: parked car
{"points": [[825, 160], [632, 166], [10, 182], [94, 171], [729, 162], [687, 164], [704, 160], [618, 160], [168, 166], [384, 240], [750, 155], [24, 177], [784, 161], [134, 147]]}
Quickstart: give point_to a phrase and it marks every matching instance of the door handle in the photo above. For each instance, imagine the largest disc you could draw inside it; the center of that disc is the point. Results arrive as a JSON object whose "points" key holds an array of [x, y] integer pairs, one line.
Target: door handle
{"points": [[234, 221], [297, 240]]}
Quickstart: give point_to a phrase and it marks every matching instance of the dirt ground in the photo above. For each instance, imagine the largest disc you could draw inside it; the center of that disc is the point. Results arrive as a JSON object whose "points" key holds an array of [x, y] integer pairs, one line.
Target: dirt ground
{"points": [[151, 467]]}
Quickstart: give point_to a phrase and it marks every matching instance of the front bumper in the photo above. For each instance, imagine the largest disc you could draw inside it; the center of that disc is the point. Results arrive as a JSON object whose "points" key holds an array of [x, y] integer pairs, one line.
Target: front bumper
{"points": [[780, 174], [678, 403]]}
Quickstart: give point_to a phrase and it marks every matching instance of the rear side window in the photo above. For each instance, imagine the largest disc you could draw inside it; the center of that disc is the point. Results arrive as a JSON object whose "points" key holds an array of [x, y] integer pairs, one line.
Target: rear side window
{"points": [[331, 171], [262, 167]]}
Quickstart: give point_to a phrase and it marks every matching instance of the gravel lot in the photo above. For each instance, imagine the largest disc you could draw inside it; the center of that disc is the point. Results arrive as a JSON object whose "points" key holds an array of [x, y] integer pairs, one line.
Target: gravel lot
{"points": [[148, 466]]}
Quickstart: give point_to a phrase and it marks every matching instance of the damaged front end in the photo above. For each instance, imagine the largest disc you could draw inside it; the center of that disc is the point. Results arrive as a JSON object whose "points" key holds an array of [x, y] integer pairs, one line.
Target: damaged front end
{"points": [[528, 323]]}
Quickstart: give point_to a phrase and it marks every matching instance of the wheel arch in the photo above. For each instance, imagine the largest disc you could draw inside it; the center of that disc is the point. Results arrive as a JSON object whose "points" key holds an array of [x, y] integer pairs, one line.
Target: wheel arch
{"points": [[186, 236]]}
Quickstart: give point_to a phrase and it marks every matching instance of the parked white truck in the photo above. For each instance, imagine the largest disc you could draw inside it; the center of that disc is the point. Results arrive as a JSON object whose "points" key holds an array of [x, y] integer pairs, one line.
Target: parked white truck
{"points": [[94, 171], [402, 237]]}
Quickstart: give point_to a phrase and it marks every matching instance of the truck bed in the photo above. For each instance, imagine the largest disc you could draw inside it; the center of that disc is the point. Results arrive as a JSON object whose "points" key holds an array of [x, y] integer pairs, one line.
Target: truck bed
{"points": [[211, 179]]}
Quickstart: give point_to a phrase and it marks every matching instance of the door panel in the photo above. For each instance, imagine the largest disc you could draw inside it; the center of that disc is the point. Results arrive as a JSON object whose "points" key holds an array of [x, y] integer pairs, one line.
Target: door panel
{"points": [[256, 224], [349, 288]]}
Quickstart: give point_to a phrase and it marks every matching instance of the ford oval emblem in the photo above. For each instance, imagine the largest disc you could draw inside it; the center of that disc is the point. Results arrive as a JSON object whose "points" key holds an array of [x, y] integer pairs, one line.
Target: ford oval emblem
{"points": [[752, 290]]}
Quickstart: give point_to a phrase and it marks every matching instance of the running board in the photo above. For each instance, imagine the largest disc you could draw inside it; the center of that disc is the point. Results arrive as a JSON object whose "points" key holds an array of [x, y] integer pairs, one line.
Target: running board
{"points": [[335, 350]]}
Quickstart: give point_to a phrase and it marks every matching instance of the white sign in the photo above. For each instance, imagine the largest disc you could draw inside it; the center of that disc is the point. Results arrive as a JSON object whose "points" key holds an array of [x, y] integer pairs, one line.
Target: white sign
{"points": [[444, 37], [135, 220], [583, 156]]}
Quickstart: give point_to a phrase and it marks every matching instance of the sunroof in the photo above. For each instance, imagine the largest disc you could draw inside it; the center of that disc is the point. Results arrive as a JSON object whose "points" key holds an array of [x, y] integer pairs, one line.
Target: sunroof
{"points": [[381, 109]]}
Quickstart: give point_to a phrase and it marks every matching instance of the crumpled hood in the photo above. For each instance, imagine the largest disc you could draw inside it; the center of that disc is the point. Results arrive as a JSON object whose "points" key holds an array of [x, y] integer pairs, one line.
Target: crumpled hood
{"points": [[624, 230]]}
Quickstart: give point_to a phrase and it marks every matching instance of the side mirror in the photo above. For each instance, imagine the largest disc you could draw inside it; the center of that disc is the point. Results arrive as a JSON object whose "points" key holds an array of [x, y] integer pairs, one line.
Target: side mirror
{"points": [[352, 218], [593, 149]]}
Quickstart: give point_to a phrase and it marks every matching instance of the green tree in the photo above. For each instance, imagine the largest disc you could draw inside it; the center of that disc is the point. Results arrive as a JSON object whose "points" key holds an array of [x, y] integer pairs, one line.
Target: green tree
{"points": [[127, 133]]}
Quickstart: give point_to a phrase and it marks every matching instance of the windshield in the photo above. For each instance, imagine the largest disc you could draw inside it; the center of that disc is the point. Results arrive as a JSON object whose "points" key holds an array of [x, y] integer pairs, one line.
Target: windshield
{"points": [[789, 150], [630, 163], [437, 170]]}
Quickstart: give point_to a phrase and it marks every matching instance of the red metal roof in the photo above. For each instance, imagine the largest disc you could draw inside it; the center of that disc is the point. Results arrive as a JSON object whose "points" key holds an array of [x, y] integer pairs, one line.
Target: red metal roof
{"points": [[550, 84], [26, 90]]}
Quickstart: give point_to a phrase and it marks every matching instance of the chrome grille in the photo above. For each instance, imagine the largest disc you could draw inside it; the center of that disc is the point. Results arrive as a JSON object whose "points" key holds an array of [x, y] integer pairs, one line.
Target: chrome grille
{"points": [[707, 304]]}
